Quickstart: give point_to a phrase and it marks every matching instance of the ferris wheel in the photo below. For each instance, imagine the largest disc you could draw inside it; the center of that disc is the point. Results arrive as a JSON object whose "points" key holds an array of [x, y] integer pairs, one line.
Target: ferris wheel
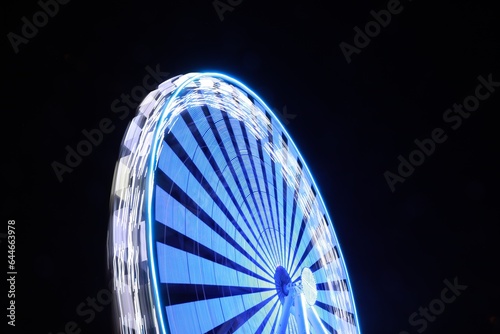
{"points": [[216, 224]]}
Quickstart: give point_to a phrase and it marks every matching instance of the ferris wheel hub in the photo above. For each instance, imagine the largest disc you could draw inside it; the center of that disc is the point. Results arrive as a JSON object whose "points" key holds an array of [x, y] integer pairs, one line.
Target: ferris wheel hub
{"points": [[282, 280]]}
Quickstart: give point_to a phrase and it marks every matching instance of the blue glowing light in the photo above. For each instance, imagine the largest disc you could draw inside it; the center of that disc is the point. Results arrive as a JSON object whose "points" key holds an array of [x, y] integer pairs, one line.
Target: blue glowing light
{"points": [[216, 217]]}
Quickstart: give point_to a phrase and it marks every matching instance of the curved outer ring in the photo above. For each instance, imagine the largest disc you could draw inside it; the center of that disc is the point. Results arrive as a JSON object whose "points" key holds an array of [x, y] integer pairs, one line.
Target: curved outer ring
{"points": [[130, 256], [128, 259]]}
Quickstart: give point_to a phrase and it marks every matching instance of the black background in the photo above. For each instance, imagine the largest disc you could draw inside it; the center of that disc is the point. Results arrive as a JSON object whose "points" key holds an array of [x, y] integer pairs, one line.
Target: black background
{"points": [[352, 121]]}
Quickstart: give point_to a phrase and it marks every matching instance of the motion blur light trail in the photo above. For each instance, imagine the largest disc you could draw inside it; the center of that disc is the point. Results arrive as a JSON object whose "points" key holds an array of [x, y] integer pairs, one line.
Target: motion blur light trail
{"points": [[216, 223]]}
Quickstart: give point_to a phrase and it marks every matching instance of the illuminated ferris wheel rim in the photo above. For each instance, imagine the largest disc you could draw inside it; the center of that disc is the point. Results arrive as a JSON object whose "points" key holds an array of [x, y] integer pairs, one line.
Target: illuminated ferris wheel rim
{"points": [[165, 115]]}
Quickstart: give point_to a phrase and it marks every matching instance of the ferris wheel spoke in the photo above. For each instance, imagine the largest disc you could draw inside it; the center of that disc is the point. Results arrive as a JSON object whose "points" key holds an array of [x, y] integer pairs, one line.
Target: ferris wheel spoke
{"points": [[262, 176], [179, 151], [297, 247], [330, 256], [265, 322], [310, 246], [275, 140], [318, 235], [262, 213], [338, 285], [263, 238], [196, 232], [275, 321], [263, 241], [297, 182], [231, 325], [268, 172], [229, 164], [344, 315], [276, 144], [180, 293], [284, 220], [177, 193], [226, 313], [259, 319], [274, 177], [174, 239]]}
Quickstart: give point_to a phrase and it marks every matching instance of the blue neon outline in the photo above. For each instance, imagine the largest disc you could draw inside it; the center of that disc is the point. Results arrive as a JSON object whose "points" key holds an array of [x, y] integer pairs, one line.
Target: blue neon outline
{"points": [[150, 182]]}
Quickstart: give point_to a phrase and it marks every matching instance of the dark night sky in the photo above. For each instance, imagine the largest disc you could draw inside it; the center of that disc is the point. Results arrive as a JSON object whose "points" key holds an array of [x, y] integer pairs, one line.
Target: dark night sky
{"points": [[352, 122]]}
